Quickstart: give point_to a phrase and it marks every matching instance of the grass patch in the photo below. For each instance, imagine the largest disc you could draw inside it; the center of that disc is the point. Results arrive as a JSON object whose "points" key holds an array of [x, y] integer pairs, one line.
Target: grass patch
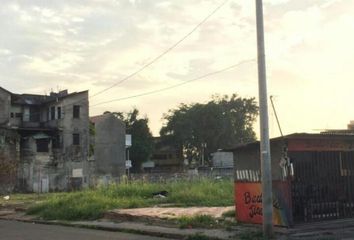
{"points": [[91, 204], [23, 198], [198, 221], [229, 214]]}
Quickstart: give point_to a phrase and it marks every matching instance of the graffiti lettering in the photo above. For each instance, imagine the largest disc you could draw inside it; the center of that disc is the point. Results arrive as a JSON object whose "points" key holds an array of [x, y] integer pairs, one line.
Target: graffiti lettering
{"points": [[255, 211], [276, 203], [248, 198]]}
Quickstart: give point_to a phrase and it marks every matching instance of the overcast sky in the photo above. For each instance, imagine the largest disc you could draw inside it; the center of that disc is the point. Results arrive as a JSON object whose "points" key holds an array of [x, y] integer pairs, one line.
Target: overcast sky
{"points": [[79, 45]]}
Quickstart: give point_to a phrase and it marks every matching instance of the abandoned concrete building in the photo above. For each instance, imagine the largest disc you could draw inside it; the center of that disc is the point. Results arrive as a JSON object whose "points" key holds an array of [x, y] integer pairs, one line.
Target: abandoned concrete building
{"points": [[108, 143], [45, 138]]}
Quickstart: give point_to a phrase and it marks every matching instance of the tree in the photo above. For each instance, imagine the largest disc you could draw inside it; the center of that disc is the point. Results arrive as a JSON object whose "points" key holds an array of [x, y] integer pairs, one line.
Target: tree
{"points": [[223, 122], [142, 139]]}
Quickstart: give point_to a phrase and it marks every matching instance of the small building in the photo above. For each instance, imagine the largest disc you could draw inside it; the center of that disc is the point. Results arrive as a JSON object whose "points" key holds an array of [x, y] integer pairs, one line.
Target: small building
{"points": [[53, 135], [313, 178], [165, 158], [222, 159]]}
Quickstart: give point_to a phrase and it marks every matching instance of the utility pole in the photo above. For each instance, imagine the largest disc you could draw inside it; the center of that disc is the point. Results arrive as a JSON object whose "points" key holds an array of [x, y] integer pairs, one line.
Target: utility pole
{"points": [[203, 148], [276, 115], [267, 201]]}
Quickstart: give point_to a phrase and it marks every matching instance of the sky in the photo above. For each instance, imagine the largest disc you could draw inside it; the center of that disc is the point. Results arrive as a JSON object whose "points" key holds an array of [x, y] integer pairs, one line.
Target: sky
{"points": [[91, 45]]}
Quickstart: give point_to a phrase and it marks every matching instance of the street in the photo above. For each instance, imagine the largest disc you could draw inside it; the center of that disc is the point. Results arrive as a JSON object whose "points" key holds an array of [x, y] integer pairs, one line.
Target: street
{"points": [[13, 230]]}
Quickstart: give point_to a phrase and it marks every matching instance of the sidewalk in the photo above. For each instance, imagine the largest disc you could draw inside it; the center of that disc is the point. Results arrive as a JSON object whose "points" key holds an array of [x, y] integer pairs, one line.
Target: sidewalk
{"points": [[341, 229], [134, 227]]}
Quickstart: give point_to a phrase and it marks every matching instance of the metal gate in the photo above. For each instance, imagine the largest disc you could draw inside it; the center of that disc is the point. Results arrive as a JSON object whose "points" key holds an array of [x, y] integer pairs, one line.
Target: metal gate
{"points": [[322, 185]]}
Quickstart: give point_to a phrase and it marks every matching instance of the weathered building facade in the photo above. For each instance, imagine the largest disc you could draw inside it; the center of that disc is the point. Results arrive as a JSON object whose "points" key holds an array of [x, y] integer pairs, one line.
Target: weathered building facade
{"points": [[53, 133]]}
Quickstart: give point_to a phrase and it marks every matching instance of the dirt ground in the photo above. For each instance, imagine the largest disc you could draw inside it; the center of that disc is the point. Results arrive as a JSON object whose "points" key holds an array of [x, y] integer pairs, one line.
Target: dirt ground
{"points": [[173, 212]]}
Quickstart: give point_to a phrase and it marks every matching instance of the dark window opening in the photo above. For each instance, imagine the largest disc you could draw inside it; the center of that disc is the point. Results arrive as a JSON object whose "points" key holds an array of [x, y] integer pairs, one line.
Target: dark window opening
{"points": [[56, 141], [12, 115], [52, 113], [34, 114], [59, 112], [76, 139], [18, 115], [76, 111], [42, 145]]}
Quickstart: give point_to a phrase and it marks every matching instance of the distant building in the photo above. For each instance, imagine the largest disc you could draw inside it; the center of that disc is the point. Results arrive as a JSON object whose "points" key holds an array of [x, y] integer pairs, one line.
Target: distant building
{"points": [[165, 158], [222, 159], [348, 131], [49, 136], [109, 148]]}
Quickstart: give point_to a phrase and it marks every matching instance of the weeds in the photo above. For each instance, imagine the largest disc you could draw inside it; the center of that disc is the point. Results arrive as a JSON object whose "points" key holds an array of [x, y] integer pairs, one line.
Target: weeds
{"points": [[229, 214], [198, 221], [91, 204]]}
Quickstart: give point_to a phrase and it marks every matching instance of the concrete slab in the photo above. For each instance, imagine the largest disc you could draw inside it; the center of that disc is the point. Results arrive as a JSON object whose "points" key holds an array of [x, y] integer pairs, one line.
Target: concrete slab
{"points": [[165, 212]]}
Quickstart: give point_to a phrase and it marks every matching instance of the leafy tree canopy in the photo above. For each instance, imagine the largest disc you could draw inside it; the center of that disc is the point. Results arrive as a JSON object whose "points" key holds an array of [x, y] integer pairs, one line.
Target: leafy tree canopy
{"points": [[223, 122], [142, 140]]}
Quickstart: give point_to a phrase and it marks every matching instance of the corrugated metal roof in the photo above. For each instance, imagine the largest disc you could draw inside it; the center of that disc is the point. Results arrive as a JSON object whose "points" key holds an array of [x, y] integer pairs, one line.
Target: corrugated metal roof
{"points": [[297, 136]]}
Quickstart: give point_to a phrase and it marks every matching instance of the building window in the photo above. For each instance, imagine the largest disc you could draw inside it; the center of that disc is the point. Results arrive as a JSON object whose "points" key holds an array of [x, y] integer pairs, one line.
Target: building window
{"points": [[76, 111], [76, 139], [18, 115], [56, 141], [12, 115], [42, 145], [52, 113], [34, 114], [59, 112]]}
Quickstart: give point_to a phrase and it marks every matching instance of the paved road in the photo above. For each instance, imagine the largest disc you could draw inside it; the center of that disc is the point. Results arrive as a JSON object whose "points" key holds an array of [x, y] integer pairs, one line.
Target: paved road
{"points": [[12, 230]]}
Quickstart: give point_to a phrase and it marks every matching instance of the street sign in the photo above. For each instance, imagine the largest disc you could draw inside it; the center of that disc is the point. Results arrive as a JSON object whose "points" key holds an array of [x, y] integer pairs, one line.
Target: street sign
{"points": [[128, 164], [128, 140]]}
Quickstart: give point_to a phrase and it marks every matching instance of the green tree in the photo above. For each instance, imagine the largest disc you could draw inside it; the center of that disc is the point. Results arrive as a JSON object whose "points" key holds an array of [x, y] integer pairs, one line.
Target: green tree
{"points": [[142, 139], [223, 122]]}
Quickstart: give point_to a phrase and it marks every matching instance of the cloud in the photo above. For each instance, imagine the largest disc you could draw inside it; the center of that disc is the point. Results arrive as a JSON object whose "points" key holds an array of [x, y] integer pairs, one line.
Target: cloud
{"points": [[91, 45]]}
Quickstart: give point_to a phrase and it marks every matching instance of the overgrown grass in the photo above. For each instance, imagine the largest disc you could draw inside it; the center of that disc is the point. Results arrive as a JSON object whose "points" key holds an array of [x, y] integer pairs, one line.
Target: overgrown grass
{"points": [[229, 214], [22, 198], [198, 221], [91, 204]]}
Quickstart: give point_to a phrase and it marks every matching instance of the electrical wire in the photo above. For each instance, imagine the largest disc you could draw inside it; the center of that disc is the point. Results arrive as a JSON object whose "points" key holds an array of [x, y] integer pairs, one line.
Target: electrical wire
{"points": [[176, 85], [163, 53], [85, 100]]}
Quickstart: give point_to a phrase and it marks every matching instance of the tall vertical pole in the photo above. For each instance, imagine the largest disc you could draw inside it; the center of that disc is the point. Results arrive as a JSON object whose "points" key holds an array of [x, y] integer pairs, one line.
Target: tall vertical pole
{"points": [[267, 203]]}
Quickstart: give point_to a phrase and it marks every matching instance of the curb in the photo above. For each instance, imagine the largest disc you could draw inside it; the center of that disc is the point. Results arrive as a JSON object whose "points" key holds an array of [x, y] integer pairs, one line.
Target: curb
{"points": [[112, 229]]}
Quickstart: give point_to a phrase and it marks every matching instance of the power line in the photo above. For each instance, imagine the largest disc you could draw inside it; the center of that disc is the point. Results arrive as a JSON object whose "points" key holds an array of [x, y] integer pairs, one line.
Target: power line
{"points": [[85, 100], [176, 85], [163, 53]]}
